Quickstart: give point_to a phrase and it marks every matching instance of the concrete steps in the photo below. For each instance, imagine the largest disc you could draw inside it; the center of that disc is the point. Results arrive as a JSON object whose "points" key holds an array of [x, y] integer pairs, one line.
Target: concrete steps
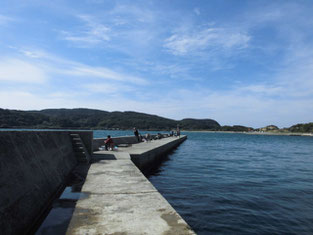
{"points": [[80, 149]]}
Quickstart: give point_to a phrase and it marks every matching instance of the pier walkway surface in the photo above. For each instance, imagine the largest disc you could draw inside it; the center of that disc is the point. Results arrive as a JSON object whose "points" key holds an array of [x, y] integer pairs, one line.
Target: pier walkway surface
{"points": [[118, 199]]}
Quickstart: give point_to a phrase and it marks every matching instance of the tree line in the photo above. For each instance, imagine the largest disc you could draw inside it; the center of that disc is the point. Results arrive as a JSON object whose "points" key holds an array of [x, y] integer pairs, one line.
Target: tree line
{"points": [[98, 119]]}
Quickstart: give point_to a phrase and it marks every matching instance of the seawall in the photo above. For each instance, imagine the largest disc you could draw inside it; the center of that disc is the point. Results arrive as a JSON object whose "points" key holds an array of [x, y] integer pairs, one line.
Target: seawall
{"points": [[146, 155], [118, 199], [33, 168], [98, 142], [116, 196]]}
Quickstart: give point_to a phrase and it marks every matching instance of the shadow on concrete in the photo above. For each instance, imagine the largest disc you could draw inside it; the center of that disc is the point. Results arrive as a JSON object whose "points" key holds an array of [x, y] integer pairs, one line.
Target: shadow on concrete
{"points": [[57, 217], [102, 156]]}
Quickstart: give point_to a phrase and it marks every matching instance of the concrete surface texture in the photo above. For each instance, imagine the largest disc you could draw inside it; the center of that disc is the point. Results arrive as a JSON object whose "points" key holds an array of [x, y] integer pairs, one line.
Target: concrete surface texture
{"points": [[120, 199], [97, 142], [146, 154], [33, 167], [87, 138]]}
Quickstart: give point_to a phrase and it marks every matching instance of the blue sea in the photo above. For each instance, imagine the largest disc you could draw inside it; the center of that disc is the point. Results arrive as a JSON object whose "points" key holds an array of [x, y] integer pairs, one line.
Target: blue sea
{"points": [[223, 183]]}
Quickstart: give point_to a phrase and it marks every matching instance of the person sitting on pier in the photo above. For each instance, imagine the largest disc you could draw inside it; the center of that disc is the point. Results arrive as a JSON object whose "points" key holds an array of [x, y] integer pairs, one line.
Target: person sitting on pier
{"points": [[109, 144], [147, 137], [159, 136]]}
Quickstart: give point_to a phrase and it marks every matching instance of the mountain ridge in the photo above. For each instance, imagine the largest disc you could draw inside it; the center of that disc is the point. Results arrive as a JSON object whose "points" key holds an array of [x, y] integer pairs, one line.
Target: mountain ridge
{"points": [[97, 119], [84, 118]]}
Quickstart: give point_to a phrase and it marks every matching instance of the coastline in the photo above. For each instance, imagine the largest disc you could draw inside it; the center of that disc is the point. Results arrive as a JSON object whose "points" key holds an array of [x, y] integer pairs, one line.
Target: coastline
{"points": [[196, 131], [255, 133]]}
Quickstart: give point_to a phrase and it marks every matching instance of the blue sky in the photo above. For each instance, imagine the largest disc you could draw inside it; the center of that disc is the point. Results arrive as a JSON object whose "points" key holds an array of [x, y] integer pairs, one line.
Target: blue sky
{"points": [[238, 62]]}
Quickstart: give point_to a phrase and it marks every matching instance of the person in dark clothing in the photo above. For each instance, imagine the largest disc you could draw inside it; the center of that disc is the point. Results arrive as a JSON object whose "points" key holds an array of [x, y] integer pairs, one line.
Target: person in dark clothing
{"points": [[136, 133], [178, 131], [109, 144], [171, 133]]}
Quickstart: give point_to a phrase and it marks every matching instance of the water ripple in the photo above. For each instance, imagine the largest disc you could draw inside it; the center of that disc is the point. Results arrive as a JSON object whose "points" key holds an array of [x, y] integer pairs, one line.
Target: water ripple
{"points": [[241, 184]]}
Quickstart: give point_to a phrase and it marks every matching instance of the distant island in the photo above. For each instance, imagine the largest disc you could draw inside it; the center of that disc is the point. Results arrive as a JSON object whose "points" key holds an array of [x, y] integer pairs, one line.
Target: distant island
{"points": [[82, 118]]}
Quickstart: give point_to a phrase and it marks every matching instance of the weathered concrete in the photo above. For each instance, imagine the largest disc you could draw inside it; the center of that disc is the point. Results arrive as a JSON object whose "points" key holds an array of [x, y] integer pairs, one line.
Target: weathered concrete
{"points": [[121, 200], [145, 155], [87, 138], [33, 167], [117, 198], [98, 142]]}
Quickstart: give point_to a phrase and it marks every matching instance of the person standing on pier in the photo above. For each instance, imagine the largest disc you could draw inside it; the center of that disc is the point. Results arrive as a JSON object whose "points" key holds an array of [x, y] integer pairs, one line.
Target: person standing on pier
{"points": [[178, 131], [136, 133]]}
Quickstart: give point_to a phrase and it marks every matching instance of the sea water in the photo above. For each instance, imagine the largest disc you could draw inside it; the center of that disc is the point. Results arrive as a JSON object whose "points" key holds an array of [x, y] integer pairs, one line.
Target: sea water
{"points": [[224, 183]]}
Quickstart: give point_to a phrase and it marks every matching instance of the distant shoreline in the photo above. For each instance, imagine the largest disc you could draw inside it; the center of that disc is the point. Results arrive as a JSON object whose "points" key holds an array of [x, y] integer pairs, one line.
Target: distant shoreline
{"points": [[257, 133], [143, 130]]}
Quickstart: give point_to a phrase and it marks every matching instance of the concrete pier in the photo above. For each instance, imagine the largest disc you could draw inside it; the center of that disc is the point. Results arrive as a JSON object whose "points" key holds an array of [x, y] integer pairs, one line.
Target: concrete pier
{"points": [[118, 199], [146, 155]]}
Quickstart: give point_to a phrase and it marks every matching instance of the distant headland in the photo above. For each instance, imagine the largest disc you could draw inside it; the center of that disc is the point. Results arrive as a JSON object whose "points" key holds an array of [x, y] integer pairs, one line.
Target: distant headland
{"points": [[82, 118]]}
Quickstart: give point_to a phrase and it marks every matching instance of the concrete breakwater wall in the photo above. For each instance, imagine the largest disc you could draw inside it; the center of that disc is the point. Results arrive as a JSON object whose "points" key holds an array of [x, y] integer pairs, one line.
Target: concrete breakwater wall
{"points": [[143, 157], [33, 167], [146, 158], [119, 199], [98, 142]]}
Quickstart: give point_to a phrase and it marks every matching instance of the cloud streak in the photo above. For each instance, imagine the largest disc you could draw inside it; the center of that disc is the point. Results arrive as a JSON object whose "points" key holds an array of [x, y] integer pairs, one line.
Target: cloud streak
{"points": [[104, 73], [90, 34], [108, 88], [185, 43], [5, 19], [61, 65], [19, 71]]}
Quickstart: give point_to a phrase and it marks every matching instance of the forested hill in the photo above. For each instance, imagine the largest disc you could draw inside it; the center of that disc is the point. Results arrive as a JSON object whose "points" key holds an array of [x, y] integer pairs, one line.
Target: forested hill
{"points": [[97, 119]]}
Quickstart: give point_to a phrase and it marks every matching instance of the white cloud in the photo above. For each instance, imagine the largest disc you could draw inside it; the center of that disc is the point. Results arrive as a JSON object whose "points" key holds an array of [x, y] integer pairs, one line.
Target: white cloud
{"points": [[263, 89], [5, 19], [234, 107], [33, 54], [284, 98], [17, 99], [125, 28], [183, 43], [104, 73], [59, 65], [248, 105], [15, 70], [173, 70], [133, 14], [70, 94], [196, 11], [28, 100], [107, 88], [91, 33]]}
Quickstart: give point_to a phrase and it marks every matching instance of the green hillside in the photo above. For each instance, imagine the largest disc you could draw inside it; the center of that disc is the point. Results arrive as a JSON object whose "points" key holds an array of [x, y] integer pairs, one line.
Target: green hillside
{"points": [[97, 119], [304, 128]]}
